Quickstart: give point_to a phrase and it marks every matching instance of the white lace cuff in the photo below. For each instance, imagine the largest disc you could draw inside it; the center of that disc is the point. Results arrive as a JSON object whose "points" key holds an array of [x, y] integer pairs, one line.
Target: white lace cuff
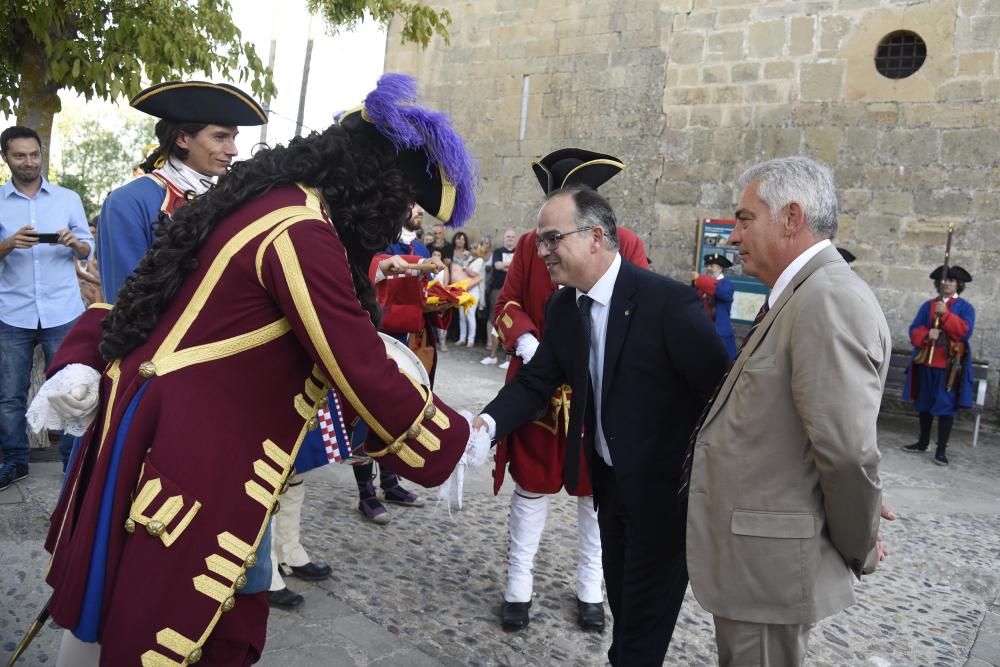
{"points": [[67, 402]]}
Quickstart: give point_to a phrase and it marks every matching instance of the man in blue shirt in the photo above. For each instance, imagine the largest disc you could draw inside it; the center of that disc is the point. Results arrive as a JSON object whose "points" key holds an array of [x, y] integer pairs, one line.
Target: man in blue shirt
{"points": [[43, 231]]}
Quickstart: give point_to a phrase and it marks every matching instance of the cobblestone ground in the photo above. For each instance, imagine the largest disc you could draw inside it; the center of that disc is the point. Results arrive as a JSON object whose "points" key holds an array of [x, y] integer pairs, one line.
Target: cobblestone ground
{"points": [[426, 588]]}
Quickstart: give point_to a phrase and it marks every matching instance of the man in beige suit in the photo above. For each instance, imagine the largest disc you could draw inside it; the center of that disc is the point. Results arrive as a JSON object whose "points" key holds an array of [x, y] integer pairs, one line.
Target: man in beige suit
{"points": [[784, 490]]}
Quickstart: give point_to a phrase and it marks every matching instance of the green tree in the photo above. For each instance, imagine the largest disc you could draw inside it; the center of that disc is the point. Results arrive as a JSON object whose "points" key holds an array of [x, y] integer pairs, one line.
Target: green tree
{"points": [[105, 48], [102, 158]]}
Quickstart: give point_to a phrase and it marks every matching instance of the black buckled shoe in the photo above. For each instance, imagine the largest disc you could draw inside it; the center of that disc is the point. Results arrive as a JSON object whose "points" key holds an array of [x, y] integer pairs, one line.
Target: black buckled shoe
{"points": [[915, 448], [514, 615], [309, 571], [284, 599], [939, 457], [590, 615]]}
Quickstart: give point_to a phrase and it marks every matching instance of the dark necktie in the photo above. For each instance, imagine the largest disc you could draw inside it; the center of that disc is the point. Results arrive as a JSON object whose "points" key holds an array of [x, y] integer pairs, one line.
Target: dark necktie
{"points": [[689, 456], [580, 406]]}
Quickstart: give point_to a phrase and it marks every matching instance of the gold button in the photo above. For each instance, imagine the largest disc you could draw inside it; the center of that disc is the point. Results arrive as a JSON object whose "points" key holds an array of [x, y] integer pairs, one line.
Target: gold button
{"points": [[129, 526], [147, 369], [312, 424], [194, 656], [228, 603], [251, 560], [430, 411], [413, 432], [155, 528], [240, 582], [322, 403]]}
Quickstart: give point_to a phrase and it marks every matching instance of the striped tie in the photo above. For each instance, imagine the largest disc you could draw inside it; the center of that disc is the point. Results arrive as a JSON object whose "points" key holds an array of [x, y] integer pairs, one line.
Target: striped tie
{"points": [[689, 456]]}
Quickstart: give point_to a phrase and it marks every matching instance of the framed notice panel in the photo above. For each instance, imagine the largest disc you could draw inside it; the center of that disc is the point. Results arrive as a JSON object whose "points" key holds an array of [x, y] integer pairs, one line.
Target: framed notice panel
{"points": [[713, 236]]}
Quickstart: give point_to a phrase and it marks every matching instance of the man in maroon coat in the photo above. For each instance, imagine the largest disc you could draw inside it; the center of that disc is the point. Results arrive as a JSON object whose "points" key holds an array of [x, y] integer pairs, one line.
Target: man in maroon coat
{"points": [[213, 364], [535, 452]]}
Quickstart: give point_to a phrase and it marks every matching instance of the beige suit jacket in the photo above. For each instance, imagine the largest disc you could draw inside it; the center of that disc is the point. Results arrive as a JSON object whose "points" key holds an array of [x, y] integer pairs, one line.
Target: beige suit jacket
{"points": [[785, 495]]}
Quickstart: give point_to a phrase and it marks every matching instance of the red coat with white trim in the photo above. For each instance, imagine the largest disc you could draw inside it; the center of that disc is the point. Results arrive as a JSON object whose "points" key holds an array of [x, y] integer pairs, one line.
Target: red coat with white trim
{"points": [[233, 374], [535, 452]]}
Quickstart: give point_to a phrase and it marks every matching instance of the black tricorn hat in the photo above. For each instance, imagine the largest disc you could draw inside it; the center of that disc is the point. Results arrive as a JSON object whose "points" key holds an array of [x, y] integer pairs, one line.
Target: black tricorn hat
{"points": [[847, 255], [717, 258], [954, 272], [200, 102], [570, 166]]}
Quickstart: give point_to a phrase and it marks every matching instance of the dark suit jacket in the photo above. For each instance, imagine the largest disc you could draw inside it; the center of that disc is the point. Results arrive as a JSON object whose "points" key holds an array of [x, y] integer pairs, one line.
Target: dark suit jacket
{"points": [[662, 362]]}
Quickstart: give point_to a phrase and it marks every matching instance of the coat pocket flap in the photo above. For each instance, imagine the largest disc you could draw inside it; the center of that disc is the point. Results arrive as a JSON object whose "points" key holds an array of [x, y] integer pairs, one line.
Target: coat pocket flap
{"points": [[790, 525]]}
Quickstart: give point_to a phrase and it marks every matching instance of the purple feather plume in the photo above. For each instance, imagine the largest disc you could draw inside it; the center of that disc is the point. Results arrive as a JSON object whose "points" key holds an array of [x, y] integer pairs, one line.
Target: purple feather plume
{"points": [[392, 108]]}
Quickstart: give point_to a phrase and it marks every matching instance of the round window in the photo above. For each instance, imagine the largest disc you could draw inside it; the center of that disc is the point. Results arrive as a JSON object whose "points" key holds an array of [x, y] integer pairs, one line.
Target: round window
{"points": [[900, 54]]}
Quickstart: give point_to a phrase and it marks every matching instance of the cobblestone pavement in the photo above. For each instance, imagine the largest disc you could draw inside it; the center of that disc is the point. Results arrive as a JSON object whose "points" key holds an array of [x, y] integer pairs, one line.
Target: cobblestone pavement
{"points": [[426, 588]]}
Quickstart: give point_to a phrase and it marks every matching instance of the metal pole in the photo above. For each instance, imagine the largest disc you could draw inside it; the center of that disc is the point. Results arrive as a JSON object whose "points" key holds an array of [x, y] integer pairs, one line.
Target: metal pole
{"points": [[305, 81]]}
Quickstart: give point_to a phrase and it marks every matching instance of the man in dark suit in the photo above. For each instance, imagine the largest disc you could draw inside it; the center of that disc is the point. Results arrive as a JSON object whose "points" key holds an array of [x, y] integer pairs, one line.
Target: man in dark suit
{"points": [[642, 358]]}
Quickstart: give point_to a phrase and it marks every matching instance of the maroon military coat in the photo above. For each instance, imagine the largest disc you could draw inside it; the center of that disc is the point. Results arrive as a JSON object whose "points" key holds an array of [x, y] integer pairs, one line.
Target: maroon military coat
{"points": [[232, 377]]}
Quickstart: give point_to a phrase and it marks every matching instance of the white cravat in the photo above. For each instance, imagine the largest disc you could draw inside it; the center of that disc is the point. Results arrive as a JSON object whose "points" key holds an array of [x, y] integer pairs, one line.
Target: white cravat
{"points": [[186, 178], [601, 294]]}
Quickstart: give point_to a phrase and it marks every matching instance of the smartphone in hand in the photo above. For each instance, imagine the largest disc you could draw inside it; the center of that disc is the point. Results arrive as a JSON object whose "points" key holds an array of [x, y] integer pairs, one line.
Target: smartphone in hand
{"points": [[48, 237]]}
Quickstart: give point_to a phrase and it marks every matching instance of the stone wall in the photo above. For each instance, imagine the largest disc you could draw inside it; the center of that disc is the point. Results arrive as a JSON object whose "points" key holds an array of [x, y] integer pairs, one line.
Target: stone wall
{"points": [[690, 92]]}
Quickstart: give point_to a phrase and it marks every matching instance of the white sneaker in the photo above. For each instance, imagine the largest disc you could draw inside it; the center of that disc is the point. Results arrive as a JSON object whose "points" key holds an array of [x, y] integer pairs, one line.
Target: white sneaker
{"points": [[488, 361], [471, 343], [504, 365]]}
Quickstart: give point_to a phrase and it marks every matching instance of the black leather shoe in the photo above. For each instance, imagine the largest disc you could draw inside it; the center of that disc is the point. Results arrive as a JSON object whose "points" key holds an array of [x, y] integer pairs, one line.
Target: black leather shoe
{"points": [[284, 599], [915, 448], [940, 458], [590, 615], [514, 615], [310, 571]]}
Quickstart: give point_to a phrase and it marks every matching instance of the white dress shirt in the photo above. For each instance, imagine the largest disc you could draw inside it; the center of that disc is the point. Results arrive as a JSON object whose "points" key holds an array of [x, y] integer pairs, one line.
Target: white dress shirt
{"points": [[786, 276], [601, 294]]}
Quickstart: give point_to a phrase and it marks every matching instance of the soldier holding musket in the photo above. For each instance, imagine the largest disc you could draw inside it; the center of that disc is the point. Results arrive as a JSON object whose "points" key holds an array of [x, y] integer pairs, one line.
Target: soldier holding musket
{"points": [[939, 379]]}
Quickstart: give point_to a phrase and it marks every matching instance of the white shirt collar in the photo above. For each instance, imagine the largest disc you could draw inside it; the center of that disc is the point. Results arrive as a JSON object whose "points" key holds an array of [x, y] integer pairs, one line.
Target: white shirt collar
{"points": [[605, 286], [186, 178], [792, 269]]}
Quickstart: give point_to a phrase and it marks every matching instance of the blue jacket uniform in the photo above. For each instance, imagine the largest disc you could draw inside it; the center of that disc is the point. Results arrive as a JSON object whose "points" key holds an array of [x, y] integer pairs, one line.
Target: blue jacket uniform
{"points": [[925, 385]]}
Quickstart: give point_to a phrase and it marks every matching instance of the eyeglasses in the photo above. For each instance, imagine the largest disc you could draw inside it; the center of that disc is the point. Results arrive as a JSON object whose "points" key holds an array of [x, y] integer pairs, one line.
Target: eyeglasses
{"points": [[551, 241]]}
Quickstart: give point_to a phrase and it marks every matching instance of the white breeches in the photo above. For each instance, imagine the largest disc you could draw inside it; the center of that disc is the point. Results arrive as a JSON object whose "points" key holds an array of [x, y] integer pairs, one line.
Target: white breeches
{"points": [[285, 546], [76, 653], [527, 521]]}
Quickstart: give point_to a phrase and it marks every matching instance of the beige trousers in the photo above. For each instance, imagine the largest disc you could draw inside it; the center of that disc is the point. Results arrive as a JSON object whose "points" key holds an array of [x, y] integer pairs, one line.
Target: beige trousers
{"points": [[743, 644]]}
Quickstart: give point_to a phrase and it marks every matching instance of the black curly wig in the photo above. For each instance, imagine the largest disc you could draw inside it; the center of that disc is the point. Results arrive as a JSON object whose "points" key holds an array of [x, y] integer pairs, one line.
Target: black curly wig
{"points": [[363, 191]]}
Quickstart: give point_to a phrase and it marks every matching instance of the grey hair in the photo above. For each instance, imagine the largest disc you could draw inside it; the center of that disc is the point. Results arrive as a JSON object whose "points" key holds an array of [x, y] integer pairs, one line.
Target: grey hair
{"points": [[592, 210], [797, 179]]}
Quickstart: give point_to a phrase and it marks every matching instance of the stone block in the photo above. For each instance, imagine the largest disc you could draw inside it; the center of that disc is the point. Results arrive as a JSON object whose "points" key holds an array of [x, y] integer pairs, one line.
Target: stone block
{"points": [[706, 117], [972, 147], [860, 144], [701, 21], [677, 117], [976, 63], [674, 193], [978, 32], [689, 76], [727, 95], [847, 114], [960, 91], [854, 200], [686, 47], [772, 115], [725, 45], [715, 74], [802, 35], [910, 147], [876, 228], [780, 142], [779, 70], [832, 31], [890, 202], [726, 17], [767, 93], [905, 278], [767, 39], [821, 81], [746, 72], [943, 203], [808, 114], [823, 143], [882, 114]]}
